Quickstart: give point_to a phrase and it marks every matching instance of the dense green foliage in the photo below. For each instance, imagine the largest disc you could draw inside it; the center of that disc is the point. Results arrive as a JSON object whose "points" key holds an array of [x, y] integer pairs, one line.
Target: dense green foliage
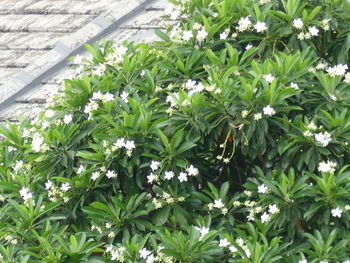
{"points": [[227, 141]]}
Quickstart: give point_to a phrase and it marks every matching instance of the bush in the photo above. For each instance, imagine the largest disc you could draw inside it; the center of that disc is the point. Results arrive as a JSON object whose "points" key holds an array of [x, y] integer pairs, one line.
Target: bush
{"points": [[227, 141]]}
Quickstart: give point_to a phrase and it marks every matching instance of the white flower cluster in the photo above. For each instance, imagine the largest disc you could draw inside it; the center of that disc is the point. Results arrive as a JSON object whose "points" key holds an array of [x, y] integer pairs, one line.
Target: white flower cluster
{"points": [[93, 102], [117, 254], [11, 239], [153, 177], [327, 167], [165, 199], [55, 193], [147, 254], [193, 86], [38, 144], [323, 138], [224, 243], [120, 143], [338, 70], [117, 55], [218, 204]]}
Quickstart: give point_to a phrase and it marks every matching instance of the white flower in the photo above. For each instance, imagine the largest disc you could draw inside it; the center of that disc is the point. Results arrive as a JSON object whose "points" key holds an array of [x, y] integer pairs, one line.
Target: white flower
{"points": [[154, 165], [260, 27], [338, 70], [150, 259], [268, 110], [233, 249], [107, 97], [48, 185], [298, 23], [323, 138], [265, 217], [80, 169], [49, 113], [192, 171], [124, 96], [129, 145], [152, 177], [346, 261], [257, 116], [244, 113], [119, 143], [95, 175], [346, 80], [273, 209], [18, 165], [68, 118], [224, 242], [244, 23], [269, 78], [111, 174], [144, 253], [169, 175], [294, 85], [336, 212], [303, 261], [218, 204], [249, 46], [24, 192], [114, 254], [203, 231], [37, 142], [223, 35], [313, 31], [327, 167], [121, 50], [182, 177], [78, 59], [65, 187], [262, 189], [187, 35], [201, 35]]}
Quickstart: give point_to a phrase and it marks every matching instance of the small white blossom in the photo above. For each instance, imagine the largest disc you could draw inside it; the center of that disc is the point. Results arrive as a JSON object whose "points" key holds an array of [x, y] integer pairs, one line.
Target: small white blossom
{"points": [[260, 27], [155, 165], [201, 35], [68, 118], [129, 145], [192, 171], [24, 192], [269, 78], [273, 209], [169, 175], [224, 243], [124, 96], [95, 176], [151, 178], [327, 167], [262, 189], [218, 204], [313, 31], [257, 116], [323, 138], [144, 253], [294, 85], [249, 46], [336, 212], [65, 187], [223, 35], [111, 174], [48, 185], [203, 231], [80, 169], [187, 35], [298, 23], [268, 110], [182, 177], [265, 217], [244, 24]]}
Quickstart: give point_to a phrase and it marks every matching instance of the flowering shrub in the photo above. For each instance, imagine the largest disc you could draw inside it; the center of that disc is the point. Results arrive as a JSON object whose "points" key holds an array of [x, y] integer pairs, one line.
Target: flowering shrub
{"points": [[227, 141]]}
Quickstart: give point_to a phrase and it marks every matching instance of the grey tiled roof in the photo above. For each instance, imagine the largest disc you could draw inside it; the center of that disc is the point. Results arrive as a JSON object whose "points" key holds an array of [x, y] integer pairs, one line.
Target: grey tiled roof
{"points": [[27, 45]]}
